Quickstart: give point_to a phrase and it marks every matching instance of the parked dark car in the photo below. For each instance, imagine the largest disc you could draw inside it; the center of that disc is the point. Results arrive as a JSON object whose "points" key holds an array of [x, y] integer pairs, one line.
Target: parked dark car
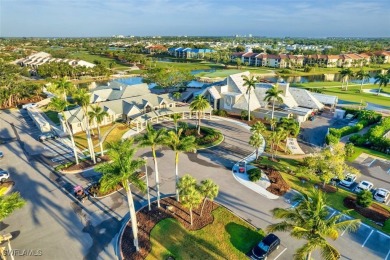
{"points": [[1, 155], [47, 136], [265, 247]]}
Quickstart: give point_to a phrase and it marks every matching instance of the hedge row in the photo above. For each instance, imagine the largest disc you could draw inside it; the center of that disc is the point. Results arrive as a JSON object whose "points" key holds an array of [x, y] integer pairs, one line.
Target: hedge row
{"points": [[366, 118]]}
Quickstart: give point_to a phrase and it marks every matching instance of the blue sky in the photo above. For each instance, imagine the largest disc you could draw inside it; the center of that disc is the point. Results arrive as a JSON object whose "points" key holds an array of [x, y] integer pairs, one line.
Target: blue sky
{"points": [[272, 18]]}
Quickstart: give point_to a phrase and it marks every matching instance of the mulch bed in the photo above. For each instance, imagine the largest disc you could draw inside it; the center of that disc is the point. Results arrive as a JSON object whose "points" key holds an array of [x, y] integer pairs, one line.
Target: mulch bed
{"points": [[373, 212], [170, 208], [278, 185], [327, 188], [86, 164]]}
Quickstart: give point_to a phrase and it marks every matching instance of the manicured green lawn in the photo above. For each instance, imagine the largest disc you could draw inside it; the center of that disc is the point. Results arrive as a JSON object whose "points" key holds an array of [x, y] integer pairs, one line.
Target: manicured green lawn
{"points": [[359, 150], [228, 237], [85, 55], [81, 139], [189, 65], [218, 73]]}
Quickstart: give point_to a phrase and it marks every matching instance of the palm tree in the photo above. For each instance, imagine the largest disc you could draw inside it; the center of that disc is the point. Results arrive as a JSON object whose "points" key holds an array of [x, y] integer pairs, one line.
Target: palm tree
{"points": [[123, 170], [273, 94], [272, 139], [257, 128], [362, 75], [256, 141], [272, 123], [177, 95], [345, 75], [153, 138], [382, 79], [179, 144], [59, 106], [98, 114], [310, 221], [209, 191], [176, 117], [64, 87], [82, 98], [199, 104], [249, 83], [191, 198]]}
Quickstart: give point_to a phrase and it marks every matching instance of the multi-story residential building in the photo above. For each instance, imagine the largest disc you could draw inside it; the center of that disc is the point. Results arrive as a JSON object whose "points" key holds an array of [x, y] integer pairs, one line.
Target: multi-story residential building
{"points": [[189, 53], [322, 60]]}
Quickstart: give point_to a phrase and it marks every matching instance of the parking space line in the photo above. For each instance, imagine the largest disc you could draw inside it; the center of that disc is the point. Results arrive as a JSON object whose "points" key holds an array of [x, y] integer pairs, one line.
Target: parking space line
{"points": [[367, 238], [334, 212], [280, 254], [383, 234], [387, 256], [342, 234]]}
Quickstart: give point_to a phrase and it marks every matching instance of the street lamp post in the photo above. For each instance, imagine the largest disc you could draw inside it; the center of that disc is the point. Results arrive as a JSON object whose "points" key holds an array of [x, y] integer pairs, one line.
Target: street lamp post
{"points": [[147, 182]]}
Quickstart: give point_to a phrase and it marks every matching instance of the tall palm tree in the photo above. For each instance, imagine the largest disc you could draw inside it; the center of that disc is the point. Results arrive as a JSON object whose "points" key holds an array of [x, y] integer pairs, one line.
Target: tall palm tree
{"points": [[179, 144], [273, 94], [97, 114], [310, 221], [123, 170], [249, 83], [346, 74], [82, 98], [176, 117], [382, 80], [209, 191], [258, 128], [153, 138], [362, 75], [199, 104], [59, 106], [64, 87], [256, 141]]}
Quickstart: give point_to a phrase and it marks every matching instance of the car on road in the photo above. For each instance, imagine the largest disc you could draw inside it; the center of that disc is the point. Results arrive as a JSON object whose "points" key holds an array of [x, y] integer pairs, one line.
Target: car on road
{"points": [[47, 136], [348, 180], [4, 175], [242, 167], [381, 195], [265, 247], [364, 185], [1, 155], [29, 105]]}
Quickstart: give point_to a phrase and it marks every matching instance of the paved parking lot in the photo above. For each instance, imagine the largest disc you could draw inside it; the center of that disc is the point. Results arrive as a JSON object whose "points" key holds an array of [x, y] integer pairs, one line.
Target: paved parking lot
{"points": [[374, 170], [18, 126], [375, 243]]}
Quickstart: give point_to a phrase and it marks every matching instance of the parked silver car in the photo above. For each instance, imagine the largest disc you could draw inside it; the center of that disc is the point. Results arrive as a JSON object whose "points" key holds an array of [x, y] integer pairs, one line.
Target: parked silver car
{"points": [[381, 195]]}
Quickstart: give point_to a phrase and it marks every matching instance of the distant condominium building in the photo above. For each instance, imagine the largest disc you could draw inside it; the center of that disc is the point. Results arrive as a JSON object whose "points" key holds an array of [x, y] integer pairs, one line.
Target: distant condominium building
{"points": [[39, 58], [189, 53], [287, 60]]}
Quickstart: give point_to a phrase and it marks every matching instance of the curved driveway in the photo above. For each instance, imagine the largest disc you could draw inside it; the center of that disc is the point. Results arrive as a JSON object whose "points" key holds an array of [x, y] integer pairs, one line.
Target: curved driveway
{"points": [[88, 229]]}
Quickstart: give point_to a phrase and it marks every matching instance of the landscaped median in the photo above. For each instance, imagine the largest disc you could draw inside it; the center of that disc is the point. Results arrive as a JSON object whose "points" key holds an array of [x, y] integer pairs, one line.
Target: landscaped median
{"points": [[166, 232]]}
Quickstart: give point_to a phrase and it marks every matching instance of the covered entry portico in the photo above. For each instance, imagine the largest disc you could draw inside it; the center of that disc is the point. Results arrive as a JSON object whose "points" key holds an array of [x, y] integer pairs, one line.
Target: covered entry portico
{"points": [[139, 123]]}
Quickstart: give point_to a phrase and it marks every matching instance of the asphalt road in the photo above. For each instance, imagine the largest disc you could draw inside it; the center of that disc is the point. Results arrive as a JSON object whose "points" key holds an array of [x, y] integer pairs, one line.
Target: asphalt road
{"points": [[56, 223]]}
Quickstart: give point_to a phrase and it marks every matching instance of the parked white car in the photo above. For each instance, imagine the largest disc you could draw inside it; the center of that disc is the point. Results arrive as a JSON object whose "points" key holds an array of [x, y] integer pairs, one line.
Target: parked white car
{"points": [[348, 180], [29, 105], [4, 175], [381, 195], [364, 185]]}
